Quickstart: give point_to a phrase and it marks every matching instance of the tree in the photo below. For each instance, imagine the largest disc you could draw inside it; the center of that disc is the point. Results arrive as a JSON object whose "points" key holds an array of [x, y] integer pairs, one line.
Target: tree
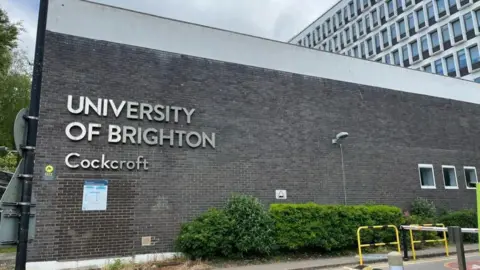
{"points": [[8, 40], [15, 78], [15, 81]]}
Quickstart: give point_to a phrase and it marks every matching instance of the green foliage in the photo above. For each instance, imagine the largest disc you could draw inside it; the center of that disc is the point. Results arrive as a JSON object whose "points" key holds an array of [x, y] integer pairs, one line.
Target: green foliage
{"points": [[116, 265], [464, 219], [253, 230], [8, 40], [244, 227], [8, 162], [207, 236], [424, 208], [331, 227], [14, 78]]}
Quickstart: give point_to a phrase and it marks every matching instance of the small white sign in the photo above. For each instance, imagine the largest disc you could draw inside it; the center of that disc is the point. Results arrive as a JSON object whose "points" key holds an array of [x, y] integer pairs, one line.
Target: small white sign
{"points": [[281, 194], [95, 195]]}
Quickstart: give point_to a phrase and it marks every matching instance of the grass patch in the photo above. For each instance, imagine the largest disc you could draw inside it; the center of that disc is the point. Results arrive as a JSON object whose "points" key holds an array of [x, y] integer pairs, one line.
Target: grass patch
{"points": [[8, 249]]}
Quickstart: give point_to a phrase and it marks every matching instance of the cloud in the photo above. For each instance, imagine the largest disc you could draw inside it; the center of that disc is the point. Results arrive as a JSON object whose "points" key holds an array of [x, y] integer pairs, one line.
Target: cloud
{"points": [[273, 19], [24, 12]]}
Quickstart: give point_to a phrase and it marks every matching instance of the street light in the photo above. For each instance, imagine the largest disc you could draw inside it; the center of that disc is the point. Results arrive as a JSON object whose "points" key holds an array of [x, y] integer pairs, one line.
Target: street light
{"points": [[337, 140]]}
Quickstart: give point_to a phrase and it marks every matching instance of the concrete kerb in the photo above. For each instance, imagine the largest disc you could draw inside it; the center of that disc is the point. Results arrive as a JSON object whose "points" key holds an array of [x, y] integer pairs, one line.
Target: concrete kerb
{"points": [[425, 254]]}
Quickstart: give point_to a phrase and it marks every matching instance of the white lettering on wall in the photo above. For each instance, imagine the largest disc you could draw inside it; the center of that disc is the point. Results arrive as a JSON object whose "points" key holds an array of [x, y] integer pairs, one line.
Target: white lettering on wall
{"points": [[130, 134]]}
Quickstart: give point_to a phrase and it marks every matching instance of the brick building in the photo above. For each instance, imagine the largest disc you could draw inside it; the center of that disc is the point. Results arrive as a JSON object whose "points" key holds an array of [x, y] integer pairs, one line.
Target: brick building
{"points": [[244, 114]]}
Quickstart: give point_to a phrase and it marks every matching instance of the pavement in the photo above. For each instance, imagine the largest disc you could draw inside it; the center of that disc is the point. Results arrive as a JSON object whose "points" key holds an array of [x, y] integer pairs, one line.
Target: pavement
{"points": [[343, 263], [440, 263]]}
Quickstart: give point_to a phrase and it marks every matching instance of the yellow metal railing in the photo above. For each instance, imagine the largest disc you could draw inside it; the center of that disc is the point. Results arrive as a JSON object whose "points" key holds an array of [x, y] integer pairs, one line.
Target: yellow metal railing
{"points": [[413, 241], [373, 244]]}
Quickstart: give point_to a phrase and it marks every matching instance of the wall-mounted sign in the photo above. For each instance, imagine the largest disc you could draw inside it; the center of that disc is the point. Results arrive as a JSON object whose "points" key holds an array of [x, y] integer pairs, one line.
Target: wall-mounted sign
{"points": [[95, 195], [49, 172], [133, 133], [281, 194]]}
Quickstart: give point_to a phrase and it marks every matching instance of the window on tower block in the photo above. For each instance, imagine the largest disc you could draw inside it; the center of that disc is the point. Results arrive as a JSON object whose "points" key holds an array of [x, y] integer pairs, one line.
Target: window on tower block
{"points": [[360, 27], [387, 59], [457, 30], [450, 66], [441, 7], [396, 58], [462, 62], [424, 40], [428, 68], [411, 24], [375, 17], [477, 14], [377, 43], [391, 10], [367, 22], [430, 13], [452, 3], [435, 41], [468, 20], [385, 37], [439, 67], [447, 44], [405, 56], [382, 13], [474, 57], [401, 27], [370, 46], [420, 18], [399, 4], [393, 33], [414, 49]]}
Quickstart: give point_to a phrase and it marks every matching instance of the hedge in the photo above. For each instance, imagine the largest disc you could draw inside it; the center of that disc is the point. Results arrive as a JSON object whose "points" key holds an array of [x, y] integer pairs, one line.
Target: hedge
{"points": [[330, 227], [464, 219]]}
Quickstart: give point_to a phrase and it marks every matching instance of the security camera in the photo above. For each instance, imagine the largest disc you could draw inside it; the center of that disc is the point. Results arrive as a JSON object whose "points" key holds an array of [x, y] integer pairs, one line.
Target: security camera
{"points": [[341, 135]]}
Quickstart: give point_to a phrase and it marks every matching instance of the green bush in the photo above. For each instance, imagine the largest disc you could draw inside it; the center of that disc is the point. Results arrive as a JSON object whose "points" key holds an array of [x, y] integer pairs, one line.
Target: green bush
{"points": [[464, 219], [207, 236], [424, 208], [330, 227], [244, 227], [253, 227]]}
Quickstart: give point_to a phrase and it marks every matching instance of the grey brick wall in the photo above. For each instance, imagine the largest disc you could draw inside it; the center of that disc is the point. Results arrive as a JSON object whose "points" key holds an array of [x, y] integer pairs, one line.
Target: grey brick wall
{"points": [[274, 131]]}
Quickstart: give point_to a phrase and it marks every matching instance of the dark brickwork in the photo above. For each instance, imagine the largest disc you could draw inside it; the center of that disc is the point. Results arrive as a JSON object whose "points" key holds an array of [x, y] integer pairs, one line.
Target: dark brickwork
{"points": [[274, 131]]}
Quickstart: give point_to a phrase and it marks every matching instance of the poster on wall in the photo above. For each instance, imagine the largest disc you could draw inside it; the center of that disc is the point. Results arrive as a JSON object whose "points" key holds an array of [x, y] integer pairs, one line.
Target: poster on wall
{"points": [[95, 195]]}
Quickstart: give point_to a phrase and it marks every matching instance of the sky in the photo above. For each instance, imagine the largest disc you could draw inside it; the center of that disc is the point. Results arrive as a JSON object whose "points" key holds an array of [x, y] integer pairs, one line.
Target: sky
{"points": [[273, 19]]}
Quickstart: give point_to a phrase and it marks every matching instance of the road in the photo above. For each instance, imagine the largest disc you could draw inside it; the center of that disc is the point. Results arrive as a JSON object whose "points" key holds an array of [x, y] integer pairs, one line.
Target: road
{"points": [[450, 263]]}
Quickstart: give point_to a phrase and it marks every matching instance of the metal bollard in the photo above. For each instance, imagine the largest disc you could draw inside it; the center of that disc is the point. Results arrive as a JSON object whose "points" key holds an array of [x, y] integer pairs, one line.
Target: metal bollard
{"points": [[395, 261], [455, 235], [404, 244]]}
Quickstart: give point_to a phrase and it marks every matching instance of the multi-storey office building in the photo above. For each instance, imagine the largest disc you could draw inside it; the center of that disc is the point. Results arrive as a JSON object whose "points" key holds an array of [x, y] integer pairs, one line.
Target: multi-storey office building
{"points": [[438, 36]]}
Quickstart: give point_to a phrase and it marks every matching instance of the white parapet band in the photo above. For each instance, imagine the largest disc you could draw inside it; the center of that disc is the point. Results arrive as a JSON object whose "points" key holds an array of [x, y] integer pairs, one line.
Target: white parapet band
{"points": [[99, 263]]}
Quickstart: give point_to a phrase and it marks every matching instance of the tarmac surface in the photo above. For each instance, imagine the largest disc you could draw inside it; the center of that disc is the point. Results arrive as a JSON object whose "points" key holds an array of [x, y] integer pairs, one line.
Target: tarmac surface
{"points": [[445, 263]]}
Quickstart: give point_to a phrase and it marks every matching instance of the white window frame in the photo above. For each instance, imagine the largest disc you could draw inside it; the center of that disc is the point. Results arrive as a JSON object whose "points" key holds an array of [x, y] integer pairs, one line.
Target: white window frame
{"points": [[465, 175], [429, 166], [456, 177]]}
